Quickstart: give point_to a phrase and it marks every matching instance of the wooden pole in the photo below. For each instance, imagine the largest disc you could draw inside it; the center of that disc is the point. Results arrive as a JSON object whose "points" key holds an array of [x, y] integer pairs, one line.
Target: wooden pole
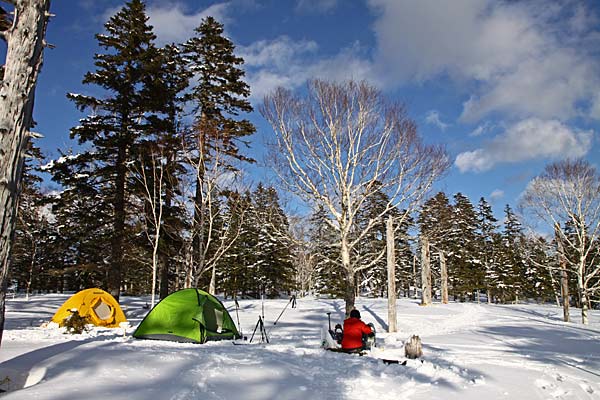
{"points": [[391, 270]]}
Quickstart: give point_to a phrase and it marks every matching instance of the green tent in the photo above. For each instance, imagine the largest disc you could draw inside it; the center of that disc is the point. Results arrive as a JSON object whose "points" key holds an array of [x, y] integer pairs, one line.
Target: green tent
{"points": [[188, 315]]}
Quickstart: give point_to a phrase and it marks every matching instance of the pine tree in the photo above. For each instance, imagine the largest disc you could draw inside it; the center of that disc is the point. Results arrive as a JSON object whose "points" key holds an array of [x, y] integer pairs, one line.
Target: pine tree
{"points": [[404, 255], [219, 96], [435, 222], [98, 179], [168, 143], [369, 254], [33, 231], [539, 263], [239, 267], [511, 272], [486, 226], [276, 269], [466, 268], [329, 274]]}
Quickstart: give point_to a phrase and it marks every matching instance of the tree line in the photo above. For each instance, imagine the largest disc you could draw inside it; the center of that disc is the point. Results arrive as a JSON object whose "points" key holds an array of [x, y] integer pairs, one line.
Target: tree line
{"points": [[152, 198]]}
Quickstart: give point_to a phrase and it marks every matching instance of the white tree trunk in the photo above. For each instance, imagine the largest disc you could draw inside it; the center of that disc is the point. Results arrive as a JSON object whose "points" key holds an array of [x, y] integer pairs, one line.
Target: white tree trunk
{"points": [[391, 271], [349, 296], [425, 272], [213, 280], [23, 62]]}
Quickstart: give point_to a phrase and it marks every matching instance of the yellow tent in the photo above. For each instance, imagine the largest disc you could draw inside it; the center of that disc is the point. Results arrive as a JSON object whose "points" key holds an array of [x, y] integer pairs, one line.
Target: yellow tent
{"points": [[99, 306]]}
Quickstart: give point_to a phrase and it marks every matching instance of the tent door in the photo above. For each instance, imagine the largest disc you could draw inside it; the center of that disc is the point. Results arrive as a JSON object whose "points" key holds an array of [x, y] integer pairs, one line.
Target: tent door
{"points": [[103, 311]]}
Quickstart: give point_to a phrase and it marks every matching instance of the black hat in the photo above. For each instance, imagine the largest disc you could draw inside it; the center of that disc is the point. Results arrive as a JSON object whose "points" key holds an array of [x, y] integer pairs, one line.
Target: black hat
{"points": [[355, 314]]}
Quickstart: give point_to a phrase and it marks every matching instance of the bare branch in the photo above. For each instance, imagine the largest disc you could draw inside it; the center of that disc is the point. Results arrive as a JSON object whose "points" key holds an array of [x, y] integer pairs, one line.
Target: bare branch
{"points": [[342, 144]]}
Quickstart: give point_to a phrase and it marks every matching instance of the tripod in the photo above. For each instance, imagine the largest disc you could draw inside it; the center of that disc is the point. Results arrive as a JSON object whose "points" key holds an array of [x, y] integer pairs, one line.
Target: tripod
{"points": [[292, 302], [263, 333]]}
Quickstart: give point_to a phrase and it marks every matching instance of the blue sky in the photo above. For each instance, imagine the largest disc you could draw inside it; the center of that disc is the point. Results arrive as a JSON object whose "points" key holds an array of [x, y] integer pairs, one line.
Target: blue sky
{"points": [[508, 86]]}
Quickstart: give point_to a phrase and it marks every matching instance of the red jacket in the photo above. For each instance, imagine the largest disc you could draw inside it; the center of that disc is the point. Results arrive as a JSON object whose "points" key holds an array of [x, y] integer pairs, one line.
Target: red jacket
{"points": [[354, 329]]}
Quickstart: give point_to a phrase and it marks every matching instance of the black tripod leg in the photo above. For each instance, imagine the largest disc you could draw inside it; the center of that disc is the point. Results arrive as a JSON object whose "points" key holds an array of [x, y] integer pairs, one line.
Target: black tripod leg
{"points": [[263, 332], [255, 327]]}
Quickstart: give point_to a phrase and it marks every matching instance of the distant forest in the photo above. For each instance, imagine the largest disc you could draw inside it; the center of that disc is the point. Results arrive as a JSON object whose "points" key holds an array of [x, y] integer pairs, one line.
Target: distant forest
{"points": [[155, 200]]}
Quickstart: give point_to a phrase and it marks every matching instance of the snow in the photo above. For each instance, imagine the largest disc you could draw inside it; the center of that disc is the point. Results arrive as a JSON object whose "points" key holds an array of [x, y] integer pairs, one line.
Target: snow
{"points": [[471, 352]]}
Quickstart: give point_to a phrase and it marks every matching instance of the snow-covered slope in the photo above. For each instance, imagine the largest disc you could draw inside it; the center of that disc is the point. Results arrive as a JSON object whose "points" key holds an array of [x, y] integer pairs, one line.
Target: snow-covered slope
{"points": [[470, 352]]}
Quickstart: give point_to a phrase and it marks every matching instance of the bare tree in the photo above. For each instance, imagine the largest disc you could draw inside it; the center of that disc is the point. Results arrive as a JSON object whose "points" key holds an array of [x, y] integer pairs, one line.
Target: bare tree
{"points": [[152, 180], [304, 252], [341, 143], [215, 234], [568, 192], [25, 45]]}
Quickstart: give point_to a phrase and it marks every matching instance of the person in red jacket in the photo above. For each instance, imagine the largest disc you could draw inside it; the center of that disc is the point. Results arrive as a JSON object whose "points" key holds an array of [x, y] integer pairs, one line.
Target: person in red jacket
{"points": [[354, 329]]}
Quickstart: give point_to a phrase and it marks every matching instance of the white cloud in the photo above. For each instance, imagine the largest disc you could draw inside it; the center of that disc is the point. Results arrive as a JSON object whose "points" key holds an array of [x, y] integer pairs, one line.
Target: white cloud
{"points": [[277, 53], [288, 63], [433, 118], [482, 129], [526, 58], [172, 23], [529, 139], [496, 195]]}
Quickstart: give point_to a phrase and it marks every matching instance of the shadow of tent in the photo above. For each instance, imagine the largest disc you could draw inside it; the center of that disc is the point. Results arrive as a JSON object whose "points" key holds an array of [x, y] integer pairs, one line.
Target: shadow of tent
{"points": [[22, 371]]}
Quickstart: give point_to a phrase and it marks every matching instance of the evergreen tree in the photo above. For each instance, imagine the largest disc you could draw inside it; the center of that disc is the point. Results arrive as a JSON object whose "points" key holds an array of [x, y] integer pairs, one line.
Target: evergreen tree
{"points": [[404, 255], [276, 269], [31, 266], [240, 265], [329, 274], [218, 97], [511, 266], [540, 273], [173, 80], [464, 265], [369, 255], [435, 222], [97, 179], [486, 227]]}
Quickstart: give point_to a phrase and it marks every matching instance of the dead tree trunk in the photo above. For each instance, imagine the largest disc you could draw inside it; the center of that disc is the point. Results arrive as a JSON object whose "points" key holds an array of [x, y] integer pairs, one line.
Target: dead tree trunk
{"points": [[391, 270], [425, 272], [25, 45], [444, 277]]}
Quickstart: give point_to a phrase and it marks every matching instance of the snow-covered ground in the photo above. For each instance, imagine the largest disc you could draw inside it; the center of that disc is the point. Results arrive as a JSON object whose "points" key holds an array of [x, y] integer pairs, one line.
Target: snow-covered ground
{"points": [[471, 351]]}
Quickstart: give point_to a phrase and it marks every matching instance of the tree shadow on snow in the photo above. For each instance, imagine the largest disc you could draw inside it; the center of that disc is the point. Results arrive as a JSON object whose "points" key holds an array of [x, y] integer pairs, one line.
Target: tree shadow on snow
{"points": [[379, 320], [25, 370], [558, 345]]}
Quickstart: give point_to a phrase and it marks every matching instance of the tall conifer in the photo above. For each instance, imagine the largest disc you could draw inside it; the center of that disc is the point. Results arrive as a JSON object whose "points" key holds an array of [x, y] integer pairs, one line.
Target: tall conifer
{"points": [[218, 97], [112, 131]]}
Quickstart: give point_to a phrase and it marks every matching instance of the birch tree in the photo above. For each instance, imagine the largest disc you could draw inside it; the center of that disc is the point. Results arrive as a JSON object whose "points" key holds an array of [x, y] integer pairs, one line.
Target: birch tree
{"points": [[25, 45], [151, 176], [568, 192], [211, 177], [340, 143]]}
